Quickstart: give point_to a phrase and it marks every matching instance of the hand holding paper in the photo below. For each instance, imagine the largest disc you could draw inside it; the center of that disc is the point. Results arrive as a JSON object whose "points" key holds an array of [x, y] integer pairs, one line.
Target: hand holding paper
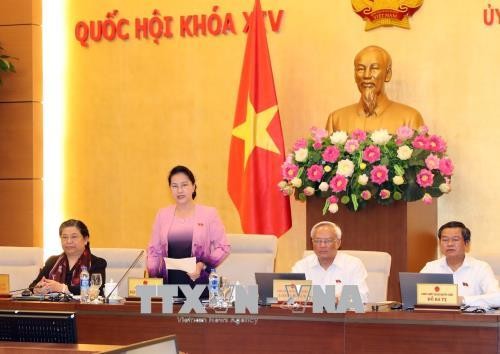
{"points": [[187, 265]]}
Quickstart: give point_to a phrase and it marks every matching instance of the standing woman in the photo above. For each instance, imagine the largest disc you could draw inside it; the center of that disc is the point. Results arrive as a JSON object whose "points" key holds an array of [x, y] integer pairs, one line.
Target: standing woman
{"points": [[62, 273], [186, 230]]}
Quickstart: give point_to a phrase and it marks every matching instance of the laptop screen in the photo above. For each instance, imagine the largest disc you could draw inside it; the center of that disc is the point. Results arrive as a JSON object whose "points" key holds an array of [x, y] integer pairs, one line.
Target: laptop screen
{"points": [[408, 285], [265, 282]]}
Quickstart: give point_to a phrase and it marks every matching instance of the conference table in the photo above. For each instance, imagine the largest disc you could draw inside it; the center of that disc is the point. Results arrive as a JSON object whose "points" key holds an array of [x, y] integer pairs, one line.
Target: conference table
{"points": [[279, 330]]}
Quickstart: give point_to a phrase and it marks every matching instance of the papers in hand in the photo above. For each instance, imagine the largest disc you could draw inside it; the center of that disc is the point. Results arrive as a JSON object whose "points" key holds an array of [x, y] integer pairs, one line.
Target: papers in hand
{"points": [[187, 265]]}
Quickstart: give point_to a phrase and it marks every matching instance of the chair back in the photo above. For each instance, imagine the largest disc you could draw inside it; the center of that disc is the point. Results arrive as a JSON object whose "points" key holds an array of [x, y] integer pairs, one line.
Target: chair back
{"points": [[119, 260], [250, 254], [22, 264]]}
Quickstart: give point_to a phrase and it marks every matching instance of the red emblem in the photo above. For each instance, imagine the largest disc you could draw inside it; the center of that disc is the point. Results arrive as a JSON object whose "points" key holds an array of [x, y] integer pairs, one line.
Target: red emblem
{"points": [[436, 289]]}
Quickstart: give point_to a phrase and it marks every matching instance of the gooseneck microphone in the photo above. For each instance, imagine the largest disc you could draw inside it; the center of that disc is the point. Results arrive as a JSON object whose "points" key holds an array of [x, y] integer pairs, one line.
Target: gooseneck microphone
{"points": [[106, 299]]}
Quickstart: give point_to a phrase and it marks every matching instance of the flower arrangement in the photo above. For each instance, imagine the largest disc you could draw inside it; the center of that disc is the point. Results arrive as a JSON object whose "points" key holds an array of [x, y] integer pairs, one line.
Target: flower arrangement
{"points": [[354, 169]]}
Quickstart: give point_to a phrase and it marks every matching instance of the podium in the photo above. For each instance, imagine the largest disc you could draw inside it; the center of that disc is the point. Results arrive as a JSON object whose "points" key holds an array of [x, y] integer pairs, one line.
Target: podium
{"points": [[407, 231]]}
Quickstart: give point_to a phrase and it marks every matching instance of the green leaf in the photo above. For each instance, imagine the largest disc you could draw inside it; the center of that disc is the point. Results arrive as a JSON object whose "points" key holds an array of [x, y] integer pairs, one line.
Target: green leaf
{"points": [[354, 201], [345, 199], [399, 170], [327, 205]]}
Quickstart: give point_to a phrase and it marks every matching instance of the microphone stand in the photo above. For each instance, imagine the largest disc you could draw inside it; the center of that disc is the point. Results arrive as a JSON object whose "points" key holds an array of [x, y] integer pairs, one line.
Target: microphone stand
{"points": [[106, 299]]}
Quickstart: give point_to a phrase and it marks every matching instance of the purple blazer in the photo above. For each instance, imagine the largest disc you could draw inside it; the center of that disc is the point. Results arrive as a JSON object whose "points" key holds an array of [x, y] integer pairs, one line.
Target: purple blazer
{"points": [[210, 243]]}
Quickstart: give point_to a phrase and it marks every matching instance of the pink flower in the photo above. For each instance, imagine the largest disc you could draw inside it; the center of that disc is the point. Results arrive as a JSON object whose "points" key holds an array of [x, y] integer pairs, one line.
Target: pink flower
{"points": [[436, 144], [423, 129], [315, 173], [300, 144], [420, 142], [425, 178], [318, 133], [446, 166], [289, 171], [359, 135], [366, 194], [384, 194], [333, 199], [379, 174], [338, 183], [331, 154], [351, 145], [317, 145], [432, 162], [308, 191], [427, 199], [371, 154], [404, 132]]}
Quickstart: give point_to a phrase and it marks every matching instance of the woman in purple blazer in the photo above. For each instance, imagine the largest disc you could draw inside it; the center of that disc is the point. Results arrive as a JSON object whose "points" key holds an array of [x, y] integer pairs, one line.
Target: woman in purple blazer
{"points": [[185, 230]]}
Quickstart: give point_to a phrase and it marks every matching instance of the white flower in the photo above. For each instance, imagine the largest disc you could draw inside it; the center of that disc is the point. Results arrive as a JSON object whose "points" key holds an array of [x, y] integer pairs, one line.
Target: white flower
{"points": [[296, 182], [309, 191], [282, 185], [404, 152], [327, 168], [345, 168], [444, 187], [323, 186], [380, 137], [363, 179], [301, 155], [398, 180], [338, 137], [333, 208]]}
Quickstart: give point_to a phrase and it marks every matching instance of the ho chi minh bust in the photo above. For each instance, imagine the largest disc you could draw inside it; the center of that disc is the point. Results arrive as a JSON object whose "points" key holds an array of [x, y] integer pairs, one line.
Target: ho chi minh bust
{"points": [[372, 69]]}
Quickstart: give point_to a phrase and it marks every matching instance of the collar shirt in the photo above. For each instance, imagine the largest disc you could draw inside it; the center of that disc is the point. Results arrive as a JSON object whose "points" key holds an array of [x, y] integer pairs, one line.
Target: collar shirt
{"points": [[344, 270], [474, 277]]}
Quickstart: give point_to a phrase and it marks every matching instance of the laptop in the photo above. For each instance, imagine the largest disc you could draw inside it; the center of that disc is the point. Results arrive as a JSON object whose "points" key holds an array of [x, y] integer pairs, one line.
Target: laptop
{"points": [[408, 285], [265, 283]]}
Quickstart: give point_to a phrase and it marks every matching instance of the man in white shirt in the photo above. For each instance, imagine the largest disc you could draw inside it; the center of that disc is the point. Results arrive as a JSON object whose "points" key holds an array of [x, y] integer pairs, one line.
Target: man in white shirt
{"points": [[328, 267], [473, 277]]}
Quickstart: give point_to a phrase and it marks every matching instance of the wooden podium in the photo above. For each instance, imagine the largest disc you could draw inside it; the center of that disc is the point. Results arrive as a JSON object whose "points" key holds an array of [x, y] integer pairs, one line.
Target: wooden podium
{"points": [[407, 231]]}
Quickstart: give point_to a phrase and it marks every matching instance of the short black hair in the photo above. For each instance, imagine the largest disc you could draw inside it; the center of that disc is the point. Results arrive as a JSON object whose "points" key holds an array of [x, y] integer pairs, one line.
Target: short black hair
{"points": [[456, 224], [187, 172]]}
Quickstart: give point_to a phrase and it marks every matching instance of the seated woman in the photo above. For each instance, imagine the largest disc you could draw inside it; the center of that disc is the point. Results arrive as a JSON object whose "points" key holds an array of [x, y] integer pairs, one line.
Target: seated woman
{"points": [[186, 230], [62, 273]]}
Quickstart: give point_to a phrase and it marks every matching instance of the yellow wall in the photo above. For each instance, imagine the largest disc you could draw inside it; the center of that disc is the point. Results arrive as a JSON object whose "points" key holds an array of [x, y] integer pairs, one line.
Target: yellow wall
{"points": [[135, 108]]}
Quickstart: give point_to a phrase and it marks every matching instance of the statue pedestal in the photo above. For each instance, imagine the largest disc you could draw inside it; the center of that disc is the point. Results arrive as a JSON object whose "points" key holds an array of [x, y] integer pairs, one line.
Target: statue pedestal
{"points": [[407, 231]]}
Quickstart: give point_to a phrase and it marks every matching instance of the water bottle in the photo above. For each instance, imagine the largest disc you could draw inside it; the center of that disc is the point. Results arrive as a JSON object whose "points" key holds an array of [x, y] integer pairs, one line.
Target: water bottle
{"points": [[213, 288], [84, 285]]}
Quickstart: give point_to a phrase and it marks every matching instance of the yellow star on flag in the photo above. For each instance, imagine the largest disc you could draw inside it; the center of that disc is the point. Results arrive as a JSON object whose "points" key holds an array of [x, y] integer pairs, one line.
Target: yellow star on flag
{"points": [[254, 130]]}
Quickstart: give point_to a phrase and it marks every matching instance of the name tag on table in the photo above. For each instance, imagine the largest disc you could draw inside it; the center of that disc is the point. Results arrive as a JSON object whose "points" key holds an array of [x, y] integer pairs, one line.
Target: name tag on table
{"points": [[4, 284], [437, 294], [283, 289], [134, 282]]}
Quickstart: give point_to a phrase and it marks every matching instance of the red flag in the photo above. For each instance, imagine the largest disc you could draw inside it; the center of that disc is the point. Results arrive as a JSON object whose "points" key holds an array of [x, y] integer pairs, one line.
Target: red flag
{"points": [[257, 150]]}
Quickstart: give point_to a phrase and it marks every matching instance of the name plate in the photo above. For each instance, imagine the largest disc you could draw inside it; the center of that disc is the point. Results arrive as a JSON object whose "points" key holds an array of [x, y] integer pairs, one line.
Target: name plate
{"points": [[437, 294], [295, 289], [4, 284], [133, 282]]}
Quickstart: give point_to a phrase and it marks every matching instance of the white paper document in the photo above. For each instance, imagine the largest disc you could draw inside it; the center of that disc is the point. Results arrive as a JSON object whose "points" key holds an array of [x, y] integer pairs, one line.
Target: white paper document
{"points": [[186, 264]]}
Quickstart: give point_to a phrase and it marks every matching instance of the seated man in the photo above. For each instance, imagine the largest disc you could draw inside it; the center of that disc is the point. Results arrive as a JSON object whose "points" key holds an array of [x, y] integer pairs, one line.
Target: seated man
{"points": [[327, 267], [473, 277]]}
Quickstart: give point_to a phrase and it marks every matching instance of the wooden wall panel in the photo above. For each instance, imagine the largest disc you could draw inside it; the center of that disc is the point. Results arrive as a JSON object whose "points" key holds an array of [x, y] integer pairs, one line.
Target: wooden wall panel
{"points": [[24, 43], [21, 131], [21, 212], [21, 140], [20, 12]]}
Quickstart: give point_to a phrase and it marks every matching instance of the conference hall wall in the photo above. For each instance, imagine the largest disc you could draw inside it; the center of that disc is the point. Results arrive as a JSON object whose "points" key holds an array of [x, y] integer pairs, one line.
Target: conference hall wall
{"points": [[136, 108]]}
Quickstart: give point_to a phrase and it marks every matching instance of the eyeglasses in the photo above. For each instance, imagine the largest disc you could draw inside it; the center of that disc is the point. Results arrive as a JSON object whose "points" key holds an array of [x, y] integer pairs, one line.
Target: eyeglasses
{"points": [[319, 241], [72, 238], [452, 239]]}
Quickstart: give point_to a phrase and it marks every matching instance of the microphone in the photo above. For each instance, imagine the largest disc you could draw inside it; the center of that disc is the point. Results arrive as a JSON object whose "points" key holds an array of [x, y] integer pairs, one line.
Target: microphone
{"points": [[106, 299]]}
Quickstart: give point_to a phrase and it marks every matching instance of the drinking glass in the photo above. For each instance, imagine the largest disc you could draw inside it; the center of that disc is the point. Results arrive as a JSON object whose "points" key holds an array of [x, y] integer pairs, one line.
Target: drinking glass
{"points": [[95, 285]]}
